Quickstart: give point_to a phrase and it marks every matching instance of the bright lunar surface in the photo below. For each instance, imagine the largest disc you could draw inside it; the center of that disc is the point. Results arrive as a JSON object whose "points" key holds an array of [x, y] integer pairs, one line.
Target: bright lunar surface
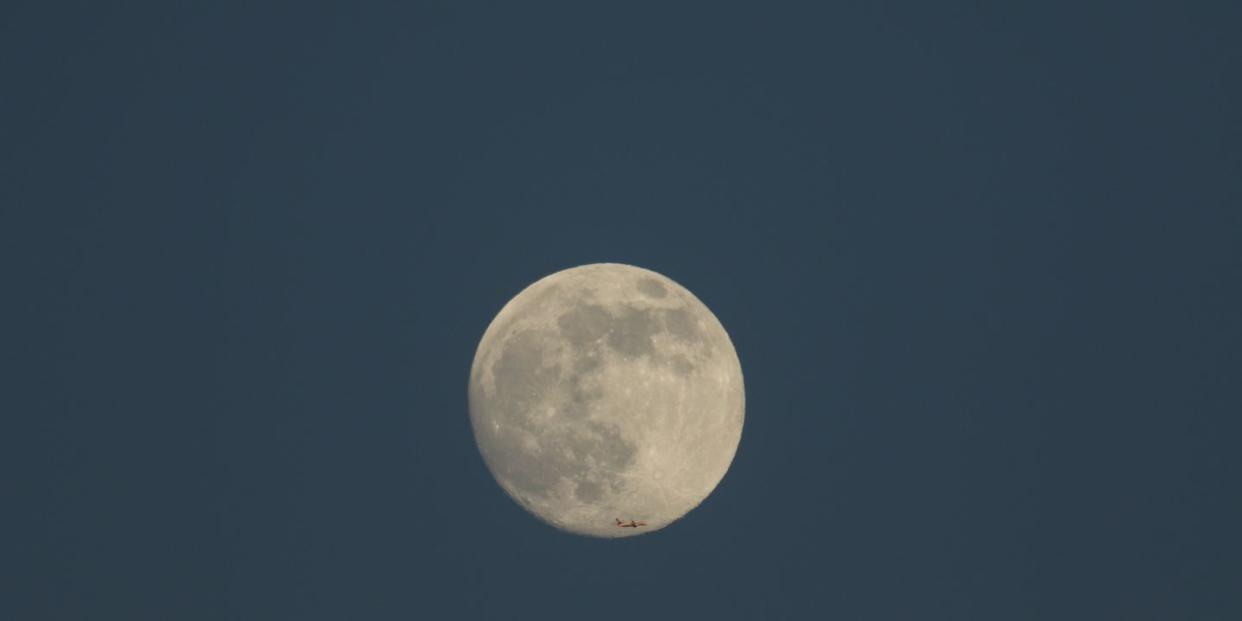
{"points": [[606, 392]]}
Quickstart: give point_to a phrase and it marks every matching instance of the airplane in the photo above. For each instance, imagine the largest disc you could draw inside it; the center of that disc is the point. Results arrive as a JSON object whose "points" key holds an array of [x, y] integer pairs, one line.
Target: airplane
{"points": [[629, 524]]}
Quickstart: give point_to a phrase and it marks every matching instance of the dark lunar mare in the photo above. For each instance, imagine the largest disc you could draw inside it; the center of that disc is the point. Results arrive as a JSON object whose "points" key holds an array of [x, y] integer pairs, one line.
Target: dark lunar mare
{"points": [[563, 443]]}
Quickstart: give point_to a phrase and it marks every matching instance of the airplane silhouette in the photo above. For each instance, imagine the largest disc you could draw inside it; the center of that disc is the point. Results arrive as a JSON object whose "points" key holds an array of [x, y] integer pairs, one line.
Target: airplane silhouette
{"points": [[629, 524]]}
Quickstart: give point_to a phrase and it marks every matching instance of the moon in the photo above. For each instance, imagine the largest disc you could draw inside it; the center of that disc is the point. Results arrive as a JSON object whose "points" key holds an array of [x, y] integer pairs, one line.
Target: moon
{"points": [[606, 392]]}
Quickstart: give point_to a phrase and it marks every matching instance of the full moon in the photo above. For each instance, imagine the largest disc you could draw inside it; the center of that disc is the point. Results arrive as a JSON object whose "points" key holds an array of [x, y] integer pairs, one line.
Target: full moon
{"points": [[606, 392]]}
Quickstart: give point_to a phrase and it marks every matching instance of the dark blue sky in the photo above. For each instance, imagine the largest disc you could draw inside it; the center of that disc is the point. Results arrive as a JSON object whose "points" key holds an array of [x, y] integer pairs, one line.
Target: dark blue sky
{"points": [[982, 264]]}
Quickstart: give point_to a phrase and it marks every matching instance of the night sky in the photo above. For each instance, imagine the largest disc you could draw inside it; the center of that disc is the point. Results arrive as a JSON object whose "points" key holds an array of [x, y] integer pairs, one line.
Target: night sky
{"points": [[982, 264]]}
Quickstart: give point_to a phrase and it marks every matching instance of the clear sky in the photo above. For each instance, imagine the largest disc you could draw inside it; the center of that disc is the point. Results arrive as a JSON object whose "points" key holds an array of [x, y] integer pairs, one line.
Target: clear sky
{"points": [[981, 263]]}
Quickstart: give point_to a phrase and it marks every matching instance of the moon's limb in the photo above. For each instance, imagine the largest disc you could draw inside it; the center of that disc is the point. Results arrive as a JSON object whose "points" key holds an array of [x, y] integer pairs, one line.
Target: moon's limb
{"points": [[606, 391]]}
